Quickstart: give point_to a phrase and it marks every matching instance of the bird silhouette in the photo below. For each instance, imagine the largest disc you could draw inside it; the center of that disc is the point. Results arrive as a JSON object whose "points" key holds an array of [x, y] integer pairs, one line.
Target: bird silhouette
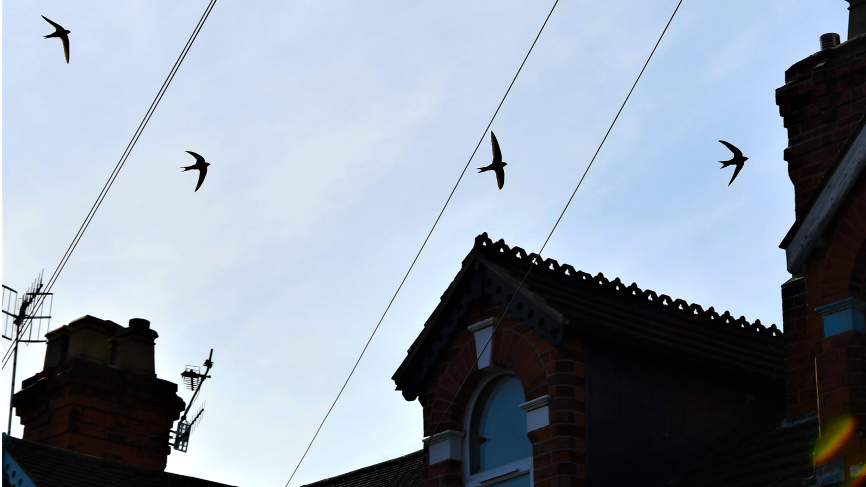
{"points": [[62, 34], [497, 165], [738, 160], [200, 165]]}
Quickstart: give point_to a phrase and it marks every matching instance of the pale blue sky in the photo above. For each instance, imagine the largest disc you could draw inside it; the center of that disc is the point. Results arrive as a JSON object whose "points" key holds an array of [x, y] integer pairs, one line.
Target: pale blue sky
{"points": [[336, 130]]}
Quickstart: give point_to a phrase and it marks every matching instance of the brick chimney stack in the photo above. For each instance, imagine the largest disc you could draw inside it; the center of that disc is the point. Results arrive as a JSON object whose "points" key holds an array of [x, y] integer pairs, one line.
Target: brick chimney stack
{"points": [[822, 103], [98, 394]]}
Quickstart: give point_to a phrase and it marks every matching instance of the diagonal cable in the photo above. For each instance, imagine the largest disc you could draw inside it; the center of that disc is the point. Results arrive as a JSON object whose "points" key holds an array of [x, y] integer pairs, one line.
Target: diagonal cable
{"points": [[120, 163], [537, 260], [424, 244]]}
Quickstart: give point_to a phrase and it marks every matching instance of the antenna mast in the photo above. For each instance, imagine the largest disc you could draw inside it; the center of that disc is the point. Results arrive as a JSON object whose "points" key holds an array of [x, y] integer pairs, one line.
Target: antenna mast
{"points": [[193, 379], [25, 314]]}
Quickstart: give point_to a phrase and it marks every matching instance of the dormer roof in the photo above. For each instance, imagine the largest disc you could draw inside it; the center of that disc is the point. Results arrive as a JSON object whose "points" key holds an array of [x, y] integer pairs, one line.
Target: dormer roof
{"points": [[558, 300]]}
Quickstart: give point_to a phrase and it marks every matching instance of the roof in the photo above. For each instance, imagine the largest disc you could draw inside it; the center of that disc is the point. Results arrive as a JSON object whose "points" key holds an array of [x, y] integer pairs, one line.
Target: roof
{"points": [[47, 466], [778, 455], [575, 302], [403, 471], [826, 200], [770, 453]]}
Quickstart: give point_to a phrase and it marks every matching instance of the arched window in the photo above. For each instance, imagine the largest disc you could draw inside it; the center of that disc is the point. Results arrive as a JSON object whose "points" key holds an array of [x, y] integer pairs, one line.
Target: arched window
{"points": [[498, 445]]}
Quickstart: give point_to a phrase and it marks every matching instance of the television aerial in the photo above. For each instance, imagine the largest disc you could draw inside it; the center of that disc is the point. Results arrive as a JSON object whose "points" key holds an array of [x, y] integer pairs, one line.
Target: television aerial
{"points": [[193, 379], [19, 316]]}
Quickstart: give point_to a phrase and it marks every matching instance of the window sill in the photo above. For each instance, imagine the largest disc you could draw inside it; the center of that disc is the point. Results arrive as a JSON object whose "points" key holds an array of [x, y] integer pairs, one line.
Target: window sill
{"points": [[500, 474]]}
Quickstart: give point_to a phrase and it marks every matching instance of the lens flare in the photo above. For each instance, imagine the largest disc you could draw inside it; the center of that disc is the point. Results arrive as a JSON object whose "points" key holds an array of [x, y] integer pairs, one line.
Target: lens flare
{"points": [[837, 433], [857, 481]]}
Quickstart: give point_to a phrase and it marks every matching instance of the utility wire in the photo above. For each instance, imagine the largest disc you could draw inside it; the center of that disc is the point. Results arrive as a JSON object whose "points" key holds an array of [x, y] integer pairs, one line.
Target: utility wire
{"points": [[120, 163], [537, 260], [424, 244]]}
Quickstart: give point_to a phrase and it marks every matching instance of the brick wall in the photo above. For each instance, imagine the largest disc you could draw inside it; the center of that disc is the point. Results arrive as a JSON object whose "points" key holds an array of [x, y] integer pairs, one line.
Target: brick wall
{"points": [[98, 394], [558, 449], [93, 409], [799, 349], [835, 273], [823, 99]]}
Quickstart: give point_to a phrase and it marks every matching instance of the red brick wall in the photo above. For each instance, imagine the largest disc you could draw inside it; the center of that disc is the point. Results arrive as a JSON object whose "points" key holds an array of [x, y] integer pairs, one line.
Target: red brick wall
{"points": [[93, 409], [558, 449], [800, 348], [836, 272], [823, 99], [822, 102]]}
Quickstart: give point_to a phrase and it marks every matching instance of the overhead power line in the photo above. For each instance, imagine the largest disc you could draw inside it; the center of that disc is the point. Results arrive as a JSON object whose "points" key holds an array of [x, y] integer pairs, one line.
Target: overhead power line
{"points": [[120, 163], [537, 260], [423, 244]]}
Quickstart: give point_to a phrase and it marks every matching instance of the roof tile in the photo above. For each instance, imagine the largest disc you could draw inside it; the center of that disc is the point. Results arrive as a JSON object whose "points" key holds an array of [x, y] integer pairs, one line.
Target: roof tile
{"points": [[403, 471], [54, 467]]}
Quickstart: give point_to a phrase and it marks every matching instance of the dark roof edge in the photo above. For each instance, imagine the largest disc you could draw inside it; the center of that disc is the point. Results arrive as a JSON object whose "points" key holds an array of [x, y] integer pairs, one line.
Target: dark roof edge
{"points": [[144, 472], [820, 189], [366, 469], [6, 451], [632, 291], [434, 316]]}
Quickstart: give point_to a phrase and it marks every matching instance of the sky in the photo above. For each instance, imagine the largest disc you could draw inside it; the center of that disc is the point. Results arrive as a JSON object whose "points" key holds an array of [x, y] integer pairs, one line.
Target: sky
{"points": [[335, 131]]}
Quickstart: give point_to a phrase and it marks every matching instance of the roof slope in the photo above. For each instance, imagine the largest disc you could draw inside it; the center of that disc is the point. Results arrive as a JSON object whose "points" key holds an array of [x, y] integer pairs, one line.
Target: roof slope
{"points": [[607, 308], [403, 471], [826, 199], [777, 455], [54, 467]]}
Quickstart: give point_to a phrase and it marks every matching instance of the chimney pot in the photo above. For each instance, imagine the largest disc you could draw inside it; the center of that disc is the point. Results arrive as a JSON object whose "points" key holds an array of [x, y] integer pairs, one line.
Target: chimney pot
{"points": [[856, 18], [143, 324], [829, 41]]}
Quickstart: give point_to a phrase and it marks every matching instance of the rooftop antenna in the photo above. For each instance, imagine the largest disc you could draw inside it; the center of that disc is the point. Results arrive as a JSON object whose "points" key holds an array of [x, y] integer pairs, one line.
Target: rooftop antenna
{"points": [[29, 310], [193, 380]]}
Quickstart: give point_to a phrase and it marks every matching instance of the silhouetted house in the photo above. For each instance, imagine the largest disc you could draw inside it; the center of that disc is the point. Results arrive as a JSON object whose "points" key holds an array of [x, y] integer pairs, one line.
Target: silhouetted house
{"points": [[589, 381], [96, 415]]}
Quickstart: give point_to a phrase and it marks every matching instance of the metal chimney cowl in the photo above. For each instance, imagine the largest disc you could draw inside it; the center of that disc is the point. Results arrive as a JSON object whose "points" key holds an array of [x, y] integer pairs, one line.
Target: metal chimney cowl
{"points": [[856, 18], [829, 41]]}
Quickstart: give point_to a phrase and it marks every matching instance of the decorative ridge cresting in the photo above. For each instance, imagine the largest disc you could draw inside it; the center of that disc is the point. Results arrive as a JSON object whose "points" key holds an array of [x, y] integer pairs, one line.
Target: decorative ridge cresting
{"points": [[500, 249]]}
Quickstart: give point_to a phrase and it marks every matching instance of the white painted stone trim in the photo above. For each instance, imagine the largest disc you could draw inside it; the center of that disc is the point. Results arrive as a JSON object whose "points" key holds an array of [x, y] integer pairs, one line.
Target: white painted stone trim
{"points": [[502, 478], [500, 473], [537, 413], [447, 445], [482, 324], [827, 203], [483, 331]]}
